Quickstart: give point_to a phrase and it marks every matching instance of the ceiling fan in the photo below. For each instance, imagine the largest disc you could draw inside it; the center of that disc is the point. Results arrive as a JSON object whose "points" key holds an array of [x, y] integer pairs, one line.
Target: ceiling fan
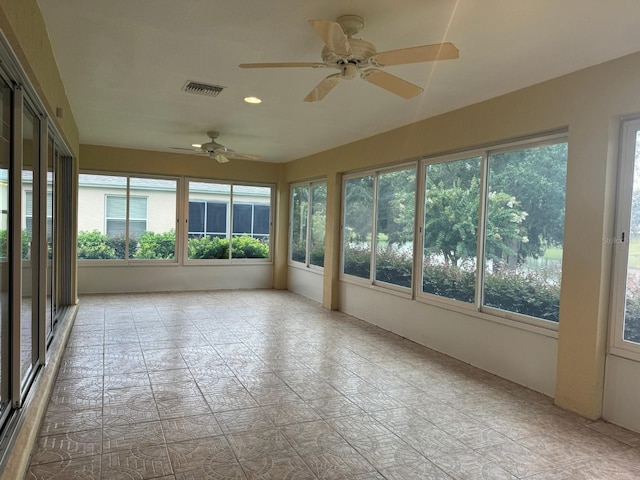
{"points": [[353, 56], [218, 152]]}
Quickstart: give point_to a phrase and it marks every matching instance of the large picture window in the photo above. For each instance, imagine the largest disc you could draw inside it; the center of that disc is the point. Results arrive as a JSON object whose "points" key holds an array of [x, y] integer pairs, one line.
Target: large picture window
{"points": [[522, 228], [228, 221], [308, 223], [378, 226], [122, 217]]}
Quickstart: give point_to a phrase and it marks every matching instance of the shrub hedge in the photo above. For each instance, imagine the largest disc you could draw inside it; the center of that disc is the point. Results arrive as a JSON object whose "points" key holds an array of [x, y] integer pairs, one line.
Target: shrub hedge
{"points": [[149, 245]]}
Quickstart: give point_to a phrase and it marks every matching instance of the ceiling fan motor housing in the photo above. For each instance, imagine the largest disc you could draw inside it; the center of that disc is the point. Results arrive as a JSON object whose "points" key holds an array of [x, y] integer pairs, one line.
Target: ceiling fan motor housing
{"points": [[361, 51]]}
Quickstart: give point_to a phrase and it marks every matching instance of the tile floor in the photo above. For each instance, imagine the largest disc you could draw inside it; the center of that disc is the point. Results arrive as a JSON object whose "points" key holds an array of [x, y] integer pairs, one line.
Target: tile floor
{"points": [[268, 385]]}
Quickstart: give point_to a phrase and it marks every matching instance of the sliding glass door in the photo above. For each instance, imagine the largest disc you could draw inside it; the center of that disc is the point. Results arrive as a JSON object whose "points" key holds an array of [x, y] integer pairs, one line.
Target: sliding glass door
{"points": [[625, 333], [5, 235]]}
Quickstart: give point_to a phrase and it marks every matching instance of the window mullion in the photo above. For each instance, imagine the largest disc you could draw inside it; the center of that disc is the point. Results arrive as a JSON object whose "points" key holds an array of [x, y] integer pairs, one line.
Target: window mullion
{"points": [[127, 204], [15, 217], [374, 229], [418, 229], [230, 222], [308, 232], [40, 284], [482, 234]]}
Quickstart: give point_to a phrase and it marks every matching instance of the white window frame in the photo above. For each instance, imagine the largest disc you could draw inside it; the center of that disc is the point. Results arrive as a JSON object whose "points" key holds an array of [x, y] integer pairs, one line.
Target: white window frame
{"points": [[425, 164], [503, 316], [127, 188], [229, 235], [371, 281], [309, 186], [626, 163]]}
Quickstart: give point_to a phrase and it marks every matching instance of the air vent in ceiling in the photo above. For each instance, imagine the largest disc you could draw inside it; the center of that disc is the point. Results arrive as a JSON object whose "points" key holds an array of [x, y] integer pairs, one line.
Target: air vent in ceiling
{"points": [[202, 88]]}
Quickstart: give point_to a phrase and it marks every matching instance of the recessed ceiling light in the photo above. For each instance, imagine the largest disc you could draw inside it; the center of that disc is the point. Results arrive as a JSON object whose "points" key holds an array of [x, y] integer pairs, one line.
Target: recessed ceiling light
{"points": [[252, 100], [196, 145]]}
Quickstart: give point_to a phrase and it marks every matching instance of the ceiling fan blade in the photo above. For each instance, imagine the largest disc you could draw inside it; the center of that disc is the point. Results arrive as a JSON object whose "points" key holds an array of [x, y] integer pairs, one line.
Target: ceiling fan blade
{"points": [[241, 156], [324, 87], [219, 158], [190, 150], [392, 83], [283, 65], [332, 35], [424, 53]]}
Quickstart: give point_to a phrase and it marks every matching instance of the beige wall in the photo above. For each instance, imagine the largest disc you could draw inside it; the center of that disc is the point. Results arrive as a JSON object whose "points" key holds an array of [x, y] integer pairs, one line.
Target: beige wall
{"points": [[22, 24], [94, 157], [590, 104]]}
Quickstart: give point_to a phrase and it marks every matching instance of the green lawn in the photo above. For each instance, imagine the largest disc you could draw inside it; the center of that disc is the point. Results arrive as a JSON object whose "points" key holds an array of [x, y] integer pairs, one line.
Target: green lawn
{"points": [[634, 253], [554, 253]]}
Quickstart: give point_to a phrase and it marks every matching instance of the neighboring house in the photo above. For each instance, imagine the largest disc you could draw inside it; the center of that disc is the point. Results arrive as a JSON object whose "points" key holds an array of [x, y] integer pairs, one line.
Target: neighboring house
{"points": [[102, 206]]}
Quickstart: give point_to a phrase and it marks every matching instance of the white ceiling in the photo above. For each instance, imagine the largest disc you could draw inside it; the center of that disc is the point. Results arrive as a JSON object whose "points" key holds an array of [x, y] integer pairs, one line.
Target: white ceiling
{"points": [[124, 63]]}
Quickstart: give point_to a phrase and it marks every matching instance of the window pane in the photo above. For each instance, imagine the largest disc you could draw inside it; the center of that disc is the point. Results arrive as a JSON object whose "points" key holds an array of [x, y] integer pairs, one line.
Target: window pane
{"points": [[450, 229], [152, 219], [242, 219], [217, 219], [299, 215], [208, 224], [260, 220], [100, 198], [113, 244], [394, 226], [358, 215], [117, 206], [251, 206], [631, 330], [196, 218], [525, 230], [137, 208], [29, 307], [5, 234], [116, 227], [318, 223]]}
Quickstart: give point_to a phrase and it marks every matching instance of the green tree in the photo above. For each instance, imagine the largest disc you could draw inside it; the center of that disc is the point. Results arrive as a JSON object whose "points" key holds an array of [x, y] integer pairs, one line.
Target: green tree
{"points": [[396, 205], [358, 203], [299, 216], [537, 178], [451, 221]]}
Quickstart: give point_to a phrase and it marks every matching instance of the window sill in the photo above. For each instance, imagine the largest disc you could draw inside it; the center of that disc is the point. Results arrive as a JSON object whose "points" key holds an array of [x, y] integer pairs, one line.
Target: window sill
{"points": [[550, 330], [306, 268], [397, 291]]}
